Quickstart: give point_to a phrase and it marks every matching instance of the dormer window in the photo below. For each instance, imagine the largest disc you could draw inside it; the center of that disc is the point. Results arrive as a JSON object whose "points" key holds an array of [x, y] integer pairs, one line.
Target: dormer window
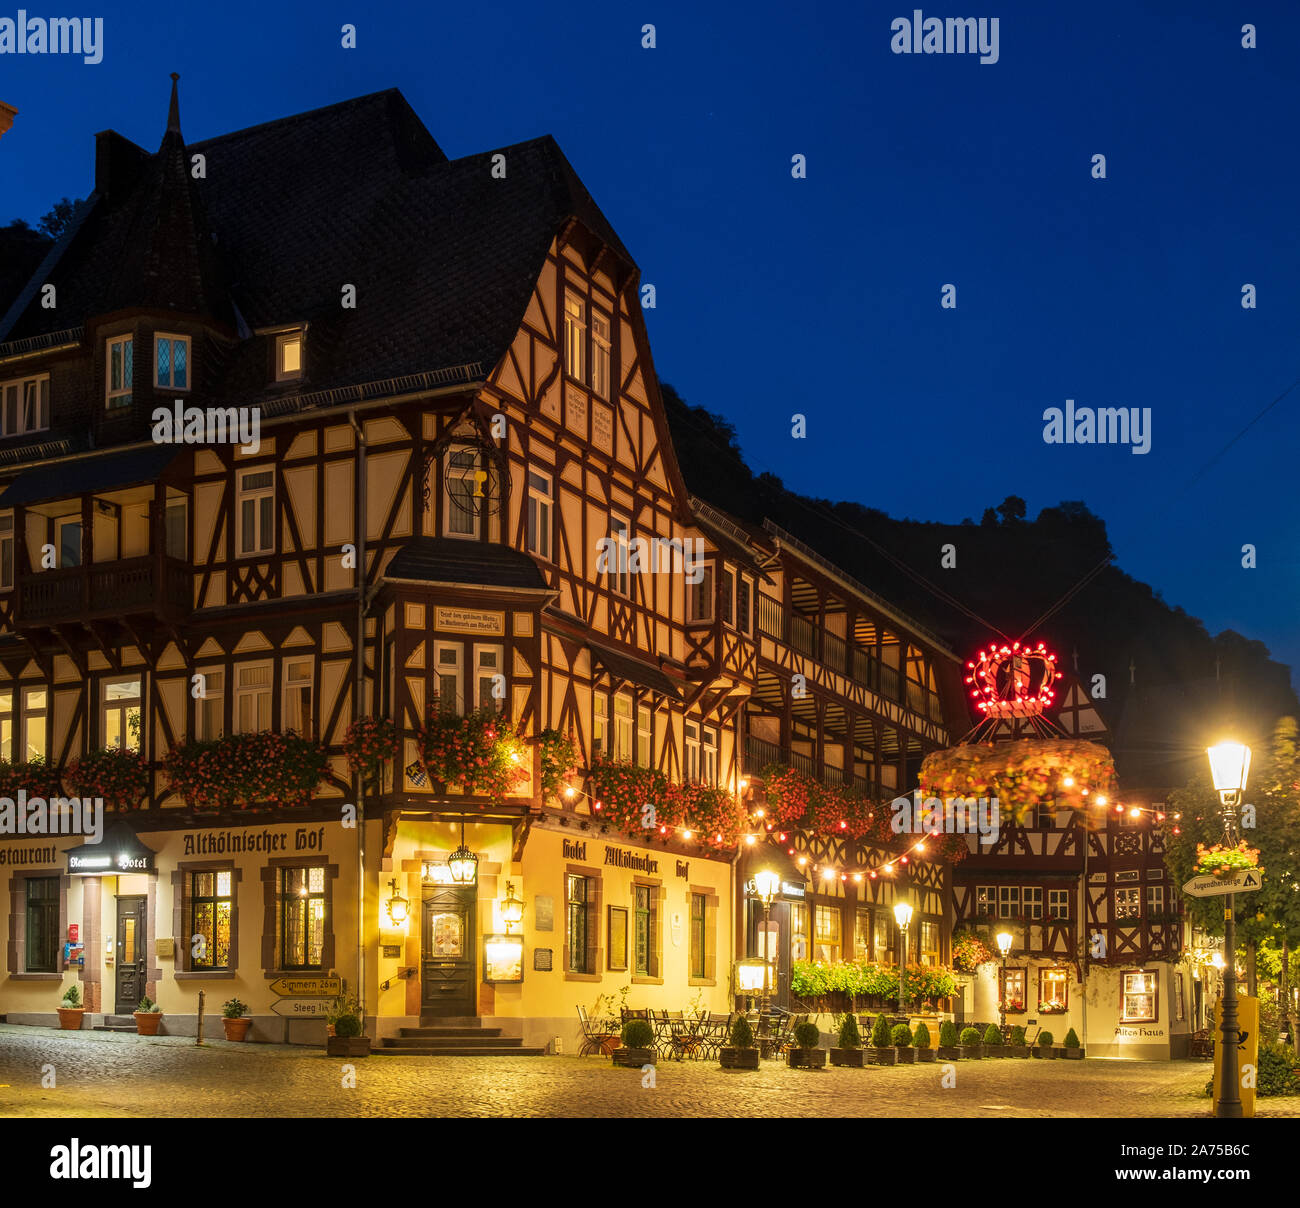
{"points": [[288, 356], [172, 362], [121, 367]]}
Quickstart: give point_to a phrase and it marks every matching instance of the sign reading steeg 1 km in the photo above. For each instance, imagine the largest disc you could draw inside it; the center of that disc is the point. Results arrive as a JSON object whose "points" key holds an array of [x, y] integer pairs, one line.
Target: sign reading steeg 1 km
{"points": [[308, 987]]}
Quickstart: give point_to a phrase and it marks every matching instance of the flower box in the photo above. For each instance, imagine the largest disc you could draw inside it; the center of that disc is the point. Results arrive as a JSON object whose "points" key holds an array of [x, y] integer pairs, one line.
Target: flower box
{"points": [[347, 1046], [949, 1052], [885, 1056], [923, 1055], [806, 1059], [1016, 1050], [850, 1058], [972, 1052], [906, 1054]]}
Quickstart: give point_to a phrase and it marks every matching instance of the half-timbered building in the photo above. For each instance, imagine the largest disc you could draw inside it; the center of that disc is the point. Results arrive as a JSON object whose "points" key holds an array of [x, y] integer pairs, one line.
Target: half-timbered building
{"points": [[307, 425]]}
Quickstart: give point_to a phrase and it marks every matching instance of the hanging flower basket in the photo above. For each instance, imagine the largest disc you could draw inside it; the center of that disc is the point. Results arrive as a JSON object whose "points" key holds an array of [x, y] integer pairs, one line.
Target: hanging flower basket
{"points": [[1225, 862], [969, 952], [479, 753], [1020, 774], [369, 743], [120, 777]]}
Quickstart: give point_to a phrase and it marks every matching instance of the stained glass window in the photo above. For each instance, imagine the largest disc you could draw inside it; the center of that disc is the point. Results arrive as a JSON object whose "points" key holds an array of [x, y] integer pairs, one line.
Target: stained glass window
{"points": [[212, 907], [302, 915]]}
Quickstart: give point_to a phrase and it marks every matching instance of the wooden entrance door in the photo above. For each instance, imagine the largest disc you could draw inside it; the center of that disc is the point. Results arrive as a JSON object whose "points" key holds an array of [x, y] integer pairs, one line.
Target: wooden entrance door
{"points": [[449, 976], [132, 945]]}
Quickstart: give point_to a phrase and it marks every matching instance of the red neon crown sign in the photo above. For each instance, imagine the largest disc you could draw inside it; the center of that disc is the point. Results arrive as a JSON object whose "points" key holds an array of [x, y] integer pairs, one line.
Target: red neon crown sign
{"points": [[1012, 681]]}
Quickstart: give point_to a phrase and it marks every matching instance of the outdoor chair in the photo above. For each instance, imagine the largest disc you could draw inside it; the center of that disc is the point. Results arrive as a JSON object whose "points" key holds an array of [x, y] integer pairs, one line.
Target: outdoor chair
{"points": [[596, 1035], [1202, 1045], [715, 1032]]}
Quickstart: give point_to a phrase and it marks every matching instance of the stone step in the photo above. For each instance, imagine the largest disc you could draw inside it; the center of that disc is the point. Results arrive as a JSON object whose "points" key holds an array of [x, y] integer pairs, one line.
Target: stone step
{"points": [[120, 1021], [437, 1050], [453, 1042], [450, 1021], [113, 1027], [484, 1033]]}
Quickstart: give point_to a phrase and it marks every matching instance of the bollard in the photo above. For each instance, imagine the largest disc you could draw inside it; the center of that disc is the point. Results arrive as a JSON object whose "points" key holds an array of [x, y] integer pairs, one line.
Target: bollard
{"points": [[198, 1039]]}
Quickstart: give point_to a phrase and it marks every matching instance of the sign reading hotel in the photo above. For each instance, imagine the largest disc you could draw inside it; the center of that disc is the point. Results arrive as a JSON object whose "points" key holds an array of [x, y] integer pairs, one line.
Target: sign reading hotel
{"points": [[468, 620], [618, 857]]}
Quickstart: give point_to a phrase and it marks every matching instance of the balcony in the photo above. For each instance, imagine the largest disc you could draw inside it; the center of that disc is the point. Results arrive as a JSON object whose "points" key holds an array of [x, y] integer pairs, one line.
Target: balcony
{"points": [[149, 586], [759, 753]]}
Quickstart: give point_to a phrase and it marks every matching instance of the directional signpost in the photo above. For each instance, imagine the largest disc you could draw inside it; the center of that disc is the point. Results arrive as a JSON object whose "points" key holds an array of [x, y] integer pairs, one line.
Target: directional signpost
{"points": [[1244, 880], [308, 987], [302, 1008]]}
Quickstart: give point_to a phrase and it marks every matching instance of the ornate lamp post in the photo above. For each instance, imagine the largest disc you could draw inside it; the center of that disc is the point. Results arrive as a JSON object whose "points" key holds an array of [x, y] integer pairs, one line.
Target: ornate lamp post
{"points": [[903, 916], [1229, 767], [1004, 947], [766, 883]]}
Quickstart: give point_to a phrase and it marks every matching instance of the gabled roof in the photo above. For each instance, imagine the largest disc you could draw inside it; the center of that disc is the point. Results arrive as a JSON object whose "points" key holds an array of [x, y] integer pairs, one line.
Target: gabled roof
{"points": [[443, 254]]}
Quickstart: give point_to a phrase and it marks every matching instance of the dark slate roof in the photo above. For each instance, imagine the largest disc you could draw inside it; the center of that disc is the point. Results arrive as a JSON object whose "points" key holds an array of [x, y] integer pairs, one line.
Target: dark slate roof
{"points": [[624, 667], [106, 472], [477, 563], [21, 250], [443, 256]]}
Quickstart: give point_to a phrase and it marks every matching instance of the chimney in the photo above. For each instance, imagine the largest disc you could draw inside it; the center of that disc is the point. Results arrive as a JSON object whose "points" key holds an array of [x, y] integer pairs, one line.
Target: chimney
{"points": [[118, 162], [7, 115]]}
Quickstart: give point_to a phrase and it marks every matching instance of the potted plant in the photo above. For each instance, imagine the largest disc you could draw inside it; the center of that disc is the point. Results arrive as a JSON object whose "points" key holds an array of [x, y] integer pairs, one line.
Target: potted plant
{"points": [[1044, 1048], [882, 1042], [148, 1017], [921, 1038], [902, 1038], [638, 1047], [949, 1043], [1017, 1046], [970, 1043], [805, 1053], [347, 1040], [742, 1053], [71, 1009], [1072, 1051], [993, 1041], [850, 1050], [234, 1018]]}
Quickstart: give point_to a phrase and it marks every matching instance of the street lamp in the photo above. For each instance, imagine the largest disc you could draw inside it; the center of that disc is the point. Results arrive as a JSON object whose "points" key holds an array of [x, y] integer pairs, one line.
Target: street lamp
{"points": [[1004, 947], [903, 916], [398, 907], [1229, 767], [766, 883]]}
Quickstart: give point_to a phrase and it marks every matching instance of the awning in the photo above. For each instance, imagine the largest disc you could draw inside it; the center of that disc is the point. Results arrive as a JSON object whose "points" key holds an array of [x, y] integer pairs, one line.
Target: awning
{"points": [[624, 667], [119, 851], [94, 475]]}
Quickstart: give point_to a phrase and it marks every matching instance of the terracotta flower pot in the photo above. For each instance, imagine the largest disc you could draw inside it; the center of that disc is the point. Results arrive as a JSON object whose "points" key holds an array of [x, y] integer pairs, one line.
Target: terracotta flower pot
{"points": [[147, 1022], [237, 1028], [70, 1018]]}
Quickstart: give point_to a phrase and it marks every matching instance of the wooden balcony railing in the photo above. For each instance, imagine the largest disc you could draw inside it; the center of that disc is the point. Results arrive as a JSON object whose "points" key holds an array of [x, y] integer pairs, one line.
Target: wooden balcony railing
{"points": [[155, 585]]}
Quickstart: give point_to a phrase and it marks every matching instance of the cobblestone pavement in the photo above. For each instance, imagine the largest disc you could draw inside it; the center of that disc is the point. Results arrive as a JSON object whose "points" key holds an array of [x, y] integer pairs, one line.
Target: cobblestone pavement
{"points": [[105, 1074]]}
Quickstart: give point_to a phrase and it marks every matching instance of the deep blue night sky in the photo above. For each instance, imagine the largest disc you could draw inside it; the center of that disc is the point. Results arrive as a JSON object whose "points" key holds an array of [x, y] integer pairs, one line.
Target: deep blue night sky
{"points": [[821, 296]]}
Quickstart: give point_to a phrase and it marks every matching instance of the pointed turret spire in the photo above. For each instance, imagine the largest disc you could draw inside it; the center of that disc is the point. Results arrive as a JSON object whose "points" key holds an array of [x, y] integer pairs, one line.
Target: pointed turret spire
{"points": [[174, 110]]}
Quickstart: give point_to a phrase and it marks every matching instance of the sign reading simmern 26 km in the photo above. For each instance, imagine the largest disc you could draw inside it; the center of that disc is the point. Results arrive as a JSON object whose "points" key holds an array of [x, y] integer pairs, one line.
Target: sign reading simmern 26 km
{"points": [[1244, 880], [308, 987]]}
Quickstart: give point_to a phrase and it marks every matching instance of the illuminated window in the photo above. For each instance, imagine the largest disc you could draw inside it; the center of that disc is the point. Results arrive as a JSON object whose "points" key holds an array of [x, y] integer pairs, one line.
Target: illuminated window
{"points": [[1053, 988], [1013, 989], [644, 734], [579, 924], [539, 513], [120, 714], [622, 726], [252, 698], [35, 719], [302, 917], [466, 486], [1139, 997], [288, 356], [600, 345], [645, 930], [575, 335], [488, 676], [826, 920], [7, 725], [211, 916], [600, 737], [447, 668], [1128, 903]]}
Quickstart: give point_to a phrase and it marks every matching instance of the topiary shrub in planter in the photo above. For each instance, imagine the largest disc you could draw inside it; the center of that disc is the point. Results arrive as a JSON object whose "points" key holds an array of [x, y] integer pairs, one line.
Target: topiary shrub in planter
{"points": [[921, 1038], [949, 1043], [1016, 1046], [970, 1043], [902, 1038], [1043, 1049], [742, 1053], [71, 1011], [881, 1041], [1072, 1050], [637, 1048], [148, 1017], [805, 1054], [344, 1017], [849, 1052], [993, 1041]]}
